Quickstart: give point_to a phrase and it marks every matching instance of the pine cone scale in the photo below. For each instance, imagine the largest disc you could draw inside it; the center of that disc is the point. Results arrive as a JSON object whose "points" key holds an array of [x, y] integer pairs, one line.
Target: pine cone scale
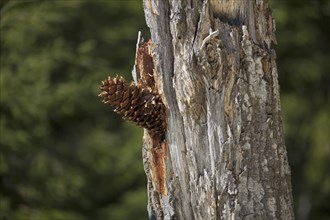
{"points": [[139, 105]]}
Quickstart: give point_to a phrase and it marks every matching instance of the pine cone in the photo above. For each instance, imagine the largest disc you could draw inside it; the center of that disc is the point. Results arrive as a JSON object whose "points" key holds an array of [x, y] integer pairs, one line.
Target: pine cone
{"points": [[139, 105]]}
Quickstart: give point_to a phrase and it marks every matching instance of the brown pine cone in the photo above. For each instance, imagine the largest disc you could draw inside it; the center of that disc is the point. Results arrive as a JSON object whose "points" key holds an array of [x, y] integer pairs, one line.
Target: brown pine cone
{"points": [[139, 105]]}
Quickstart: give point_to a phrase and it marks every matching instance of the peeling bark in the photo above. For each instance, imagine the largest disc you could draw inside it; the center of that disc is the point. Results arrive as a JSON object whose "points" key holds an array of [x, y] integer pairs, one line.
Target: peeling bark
{"points": [[224, 155]]}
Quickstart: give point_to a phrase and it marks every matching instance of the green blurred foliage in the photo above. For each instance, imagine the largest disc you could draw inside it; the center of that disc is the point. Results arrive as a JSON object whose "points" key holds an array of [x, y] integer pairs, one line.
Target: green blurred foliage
{"points": [[303, 58], [65, 155]]}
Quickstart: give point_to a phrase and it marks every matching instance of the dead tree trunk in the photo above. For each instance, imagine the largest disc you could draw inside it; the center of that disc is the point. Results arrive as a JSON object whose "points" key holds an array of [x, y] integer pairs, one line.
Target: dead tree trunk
{"points": [[223, 156]]}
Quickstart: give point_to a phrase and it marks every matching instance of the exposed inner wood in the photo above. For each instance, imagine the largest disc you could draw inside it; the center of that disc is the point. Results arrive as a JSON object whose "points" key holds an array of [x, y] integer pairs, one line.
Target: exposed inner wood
{"points": [[145, 71]]}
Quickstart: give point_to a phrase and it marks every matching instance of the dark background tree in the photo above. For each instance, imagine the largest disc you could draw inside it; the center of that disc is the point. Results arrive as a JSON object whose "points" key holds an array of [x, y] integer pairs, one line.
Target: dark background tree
{"points": [[65, 155]]}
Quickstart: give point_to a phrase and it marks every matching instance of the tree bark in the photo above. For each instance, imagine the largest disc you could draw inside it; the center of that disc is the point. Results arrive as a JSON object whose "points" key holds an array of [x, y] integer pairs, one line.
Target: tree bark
{"points": [[223, 156]]}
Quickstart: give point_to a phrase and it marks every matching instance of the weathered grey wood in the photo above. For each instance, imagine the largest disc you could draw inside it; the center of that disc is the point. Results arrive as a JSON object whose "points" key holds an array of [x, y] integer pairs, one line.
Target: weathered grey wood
{"points": [[225, 153]]}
